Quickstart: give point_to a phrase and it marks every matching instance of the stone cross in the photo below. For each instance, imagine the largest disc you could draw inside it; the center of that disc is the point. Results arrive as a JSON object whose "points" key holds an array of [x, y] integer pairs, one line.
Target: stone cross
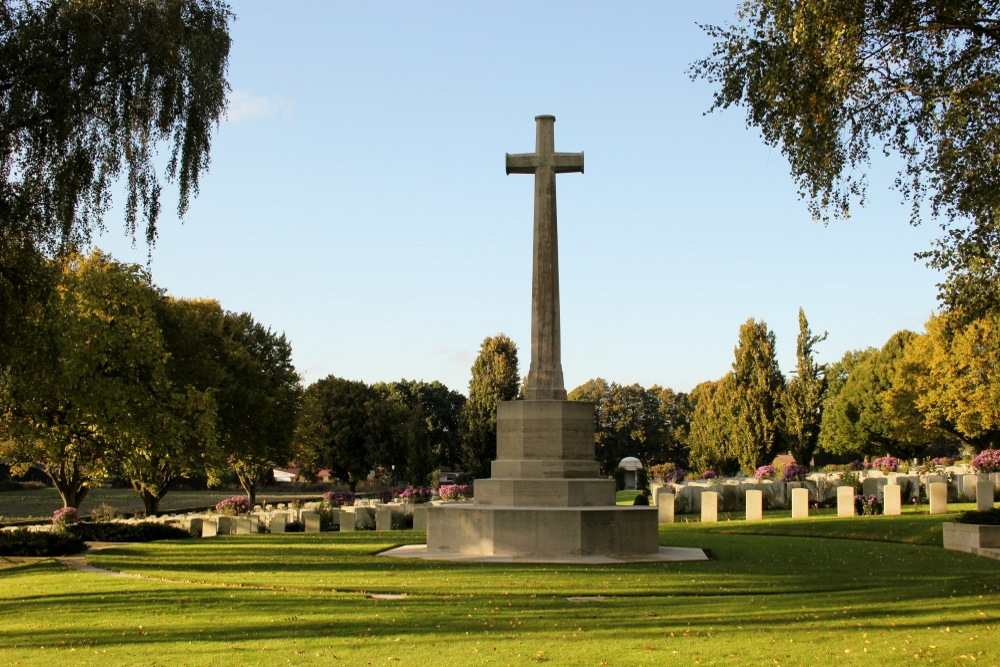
{"points": [[545, 375]]}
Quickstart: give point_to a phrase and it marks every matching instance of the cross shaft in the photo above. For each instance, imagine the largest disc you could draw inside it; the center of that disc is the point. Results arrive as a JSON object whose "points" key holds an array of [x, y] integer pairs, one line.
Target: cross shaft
{"points": [[545, 375]]}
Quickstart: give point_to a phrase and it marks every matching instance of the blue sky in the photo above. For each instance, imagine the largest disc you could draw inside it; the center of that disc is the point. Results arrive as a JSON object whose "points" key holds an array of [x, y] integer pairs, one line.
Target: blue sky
{"points": [[357, 199]]}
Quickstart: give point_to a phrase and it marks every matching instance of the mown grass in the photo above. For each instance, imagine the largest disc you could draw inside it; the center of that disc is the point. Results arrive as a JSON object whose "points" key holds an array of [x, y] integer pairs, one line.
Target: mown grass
{"points": [[821, 591]]}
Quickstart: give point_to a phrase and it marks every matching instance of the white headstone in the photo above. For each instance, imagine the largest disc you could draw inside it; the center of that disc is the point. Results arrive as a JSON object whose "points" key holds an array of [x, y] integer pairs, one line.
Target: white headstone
{"points": [[383, 517], [892, 504], [938, 494], [227, 525], [311, 522], [195, 526], [709, 507], [665, 506], [969, 487], [420, 517], [800, 503], [755, 504], [244, 525], [278, 522], [209, 528], [348, 519], [845, 501], [984, 495], [872, 485]]}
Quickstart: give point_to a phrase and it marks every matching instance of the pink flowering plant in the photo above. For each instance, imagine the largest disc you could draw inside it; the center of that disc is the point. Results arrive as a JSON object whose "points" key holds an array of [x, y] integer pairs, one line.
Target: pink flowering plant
{"points": [[886, 464], [793, 472], [455, 491], [63, 517], [413, 494], [233, 506], [708, 474], [943, 461], [765, 472], [987, 461]]}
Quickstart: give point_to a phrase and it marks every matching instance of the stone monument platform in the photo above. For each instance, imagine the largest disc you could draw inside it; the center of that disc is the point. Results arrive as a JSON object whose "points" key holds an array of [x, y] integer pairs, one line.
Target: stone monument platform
{"points": [[545, 496]]}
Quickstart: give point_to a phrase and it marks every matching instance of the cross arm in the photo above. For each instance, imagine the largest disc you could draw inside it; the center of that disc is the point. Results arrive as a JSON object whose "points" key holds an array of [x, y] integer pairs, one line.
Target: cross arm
{"points": [[564, 163], [521, 163]]}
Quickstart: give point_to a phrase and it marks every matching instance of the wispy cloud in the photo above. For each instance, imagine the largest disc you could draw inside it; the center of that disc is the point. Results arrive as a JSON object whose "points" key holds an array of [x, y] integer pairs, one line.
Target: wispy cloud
{"points": [[244, 106]]}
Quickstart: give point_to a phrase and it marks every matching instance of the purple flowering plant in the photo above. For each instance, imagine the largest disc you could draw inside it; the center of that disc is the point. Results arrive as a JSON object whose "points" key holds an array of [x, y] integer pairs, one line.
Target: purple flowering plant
{"points": [[675, 476], [338, 498], [987, 461], [868, 505], [794, 473], [708, 474]]}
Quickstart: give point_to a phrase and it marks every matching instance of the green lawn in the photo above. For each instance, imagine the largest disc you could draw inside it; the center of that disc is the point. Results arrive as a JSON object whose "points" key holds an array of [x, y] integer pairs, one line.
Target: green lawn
{"points": [[813, 591]]}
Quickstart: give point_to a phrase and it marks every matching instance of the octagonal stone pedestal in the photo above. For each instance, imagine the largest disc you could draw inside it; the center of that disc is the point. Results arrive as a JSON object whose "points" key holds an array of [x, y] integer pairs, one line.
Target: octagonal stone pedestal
{"points": [[470, 529], [545, 499]]}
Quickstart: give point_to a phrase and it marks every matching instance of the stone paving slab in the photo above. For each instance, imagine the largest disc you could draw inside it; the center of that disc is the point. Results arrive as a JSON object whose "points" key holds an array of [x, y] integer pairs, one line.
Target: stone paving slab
{"points": [[665, 555]]}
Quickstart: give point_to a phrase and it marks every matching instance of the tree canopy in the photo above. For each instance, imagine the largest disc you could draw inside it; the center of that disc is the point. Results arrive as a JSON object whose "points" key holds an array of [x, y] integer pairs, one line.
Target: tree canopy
{"points": [[89, 92], [831, 82], [88, 375], [631, 420]]}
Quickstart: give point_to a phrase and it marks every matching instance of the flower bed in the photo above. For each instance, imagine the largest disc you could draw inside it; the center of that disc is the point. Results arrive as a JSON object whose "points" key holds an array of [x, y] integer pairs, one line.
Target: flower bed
{"points": [[987, 461], [455, 491]]}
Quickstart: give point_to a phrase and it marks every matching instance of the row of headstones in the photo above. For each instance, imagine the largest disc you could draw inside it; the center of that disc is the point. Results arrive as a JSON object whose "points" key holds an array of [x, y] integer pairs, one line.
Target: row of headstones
{"points": [[348, 519], [964, 485], [891, 499]]}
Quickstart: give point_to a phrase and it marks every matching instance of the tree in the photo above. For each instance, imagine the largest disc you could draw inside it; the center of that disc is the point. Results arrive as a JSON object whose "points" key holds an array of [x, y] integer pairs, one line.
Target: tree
{"points": [[859, 418], [88, 92], [88, 375], [434, 440], [829, 82], [258, 399], [950, 374], [332, 429], [676, 411], [711, 432], [803, 401], [630, 421], [495, 378], [178, 436], [757, 390]]}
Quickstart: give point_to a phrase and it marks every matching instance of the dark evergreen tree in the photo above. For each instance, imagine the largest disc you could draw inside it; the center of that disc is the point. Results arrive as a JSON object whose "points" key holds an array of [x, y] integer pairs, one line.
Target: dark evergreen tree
{"points": [[804, 396], [495, 378], [758, 387]]}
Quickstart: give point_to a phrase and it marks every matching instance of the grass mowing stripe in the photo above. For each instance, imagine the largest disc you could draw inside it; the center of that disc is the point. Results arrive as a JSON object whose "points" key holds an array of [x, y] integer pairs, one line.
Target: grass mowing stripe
{"points": [[765, 599]]}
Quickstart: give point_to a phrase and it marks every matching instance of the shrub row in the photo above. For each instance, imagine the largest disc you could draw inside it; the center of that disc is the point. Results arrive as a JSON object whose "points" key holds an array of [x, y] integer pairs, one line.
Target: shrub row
{"points": [[22, 542], [126, 532]]}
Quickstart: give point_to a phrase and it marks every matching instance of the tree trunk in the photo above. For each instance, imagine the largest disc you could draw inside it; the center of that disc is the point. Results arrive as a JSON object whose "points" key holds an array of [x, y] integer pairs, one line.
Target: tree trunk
{"points": [[150, 502], [72, 494], [249, 479], [70, 482]]}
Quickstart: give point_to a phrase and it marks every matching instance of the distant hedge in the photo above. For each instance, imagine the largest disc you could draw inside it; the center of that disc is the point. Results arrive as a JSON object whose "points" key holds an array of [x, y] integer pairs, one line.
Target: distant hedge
{"points": [[22, 542], [126, 532]]}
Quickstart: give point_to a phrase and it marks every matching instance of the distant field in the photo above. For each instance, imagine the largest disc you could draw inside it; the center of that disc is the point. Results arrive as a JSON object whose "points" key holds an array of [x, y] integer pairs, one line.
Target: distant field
{"points": [[43, 502]]}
